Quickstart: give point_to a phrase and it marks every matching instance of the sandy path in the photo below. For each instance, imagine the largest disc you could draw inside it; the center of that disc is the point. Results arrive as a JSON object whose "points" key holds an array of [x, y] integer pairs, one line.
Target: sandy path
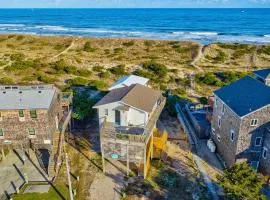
{"points": [[197, 58], [66, 50]]}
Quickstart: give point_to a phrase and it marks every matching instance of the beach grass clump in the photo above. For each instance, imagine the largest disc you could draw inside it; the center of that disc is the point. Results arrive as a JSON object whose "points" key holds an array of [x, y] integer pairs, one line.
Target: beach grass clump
{"points": [[209, 79], [129, 44], [98, 68], [42, 77], [160, 70], [20, 37], [264, 50], [98, 84], [88, 47], [119, 70], [78, 81], [17, 57], [104, 74], [6, 80], [61, 46], [23, 65], [83, 72], [118, 50], [220, 57]]}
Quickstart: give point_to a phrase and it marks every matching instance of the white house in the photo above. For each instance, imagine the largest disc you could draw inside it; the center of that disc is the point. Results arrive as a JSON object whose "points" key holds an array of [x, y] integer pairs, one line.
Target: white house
{"points": [[128, 81], [129, 105]]}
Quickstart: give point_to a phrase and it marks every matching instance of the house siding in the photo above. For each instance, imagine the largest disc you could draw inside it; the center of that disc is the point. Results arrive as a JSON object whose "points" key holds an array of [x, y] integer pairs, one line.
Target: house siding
{"points": [[229, 122]]}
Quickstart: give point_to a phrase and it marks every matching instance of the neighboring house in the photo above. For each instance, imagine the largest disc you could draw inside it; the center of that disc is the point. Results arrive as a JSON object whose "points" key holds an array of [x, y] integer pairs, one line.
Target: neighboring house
{"points": [[241, 122], [127, 118], [128, 81], [34, 117]]}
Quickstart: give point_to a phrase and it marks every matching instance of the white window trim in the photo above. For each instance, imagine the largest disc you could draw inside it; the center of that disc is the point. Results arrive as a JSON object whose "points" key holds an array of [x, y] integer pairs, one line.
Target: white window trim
{"points": [[265, 150], [254, 120], [260, 142], [219, 121], [213, 131], [232, 134], [106, 112], [218, 138]]}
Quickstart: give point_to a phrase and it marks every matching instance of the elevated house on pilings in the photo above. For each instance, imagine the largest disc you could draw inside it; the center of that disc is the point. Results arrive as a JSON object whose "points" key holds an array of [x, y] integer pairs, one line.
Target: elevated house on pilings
{"points": [[35, 117], [127, 118]]}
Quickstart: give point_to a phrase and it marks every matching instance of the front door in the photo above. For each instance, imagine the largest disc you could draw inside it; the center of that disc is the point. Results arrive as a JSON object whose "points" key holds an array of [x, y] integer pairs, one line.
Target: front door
{"points": [[117, 117]]}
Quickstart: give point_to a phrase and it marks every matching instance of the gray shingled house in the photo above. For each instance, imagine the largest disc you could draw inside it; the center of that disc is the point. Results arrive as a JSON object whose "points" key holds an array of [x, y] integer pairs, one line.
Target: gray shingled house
{"points": [[35, 117], [127, 118], [241, 121]]}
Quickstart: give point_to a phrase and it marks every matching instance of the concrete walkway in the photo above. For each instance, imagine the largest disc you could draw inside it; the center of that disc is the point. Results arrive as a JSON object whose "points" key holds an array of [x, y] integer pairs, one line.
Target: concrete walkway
{"points": [[199, 154], [13, 172], [108, 186]]}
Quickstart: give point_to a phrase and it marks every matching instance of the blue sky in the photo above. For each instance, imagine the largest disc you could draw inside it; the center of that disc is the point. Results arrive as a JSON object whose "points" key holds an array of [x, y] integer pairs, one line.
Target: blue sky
{"points": [[133, 3]]}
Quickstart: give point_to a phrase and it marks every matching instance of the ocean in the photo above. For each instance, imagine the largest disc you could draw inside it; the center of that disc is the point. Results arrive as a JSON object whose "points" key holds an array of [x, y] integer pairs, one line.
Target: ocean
{"points": [[201, 25]]}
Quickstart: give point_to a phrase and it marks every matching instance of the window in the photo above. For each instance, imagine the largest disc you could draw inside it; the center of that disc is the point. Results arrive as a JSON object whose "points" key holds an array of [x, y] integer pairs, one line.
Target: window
{"points": [[32, 131], [21, 113], [258, 141], [219, 121], [106, 112], [33, 113], [216, 101], [1, 132], [159, 102], [218, 137], [223, 109], [254, 122], [232, 135], [213, 131], [264, 154]]}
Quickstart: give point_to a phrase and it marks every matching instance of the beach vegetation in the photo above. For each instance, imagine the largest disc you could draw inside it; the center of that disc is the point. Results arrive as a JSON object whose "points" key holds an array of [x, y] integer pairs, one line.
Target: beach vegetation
{"points": [[83, 72], [157, 69], [104, 75], [118, 70], [98, 68], [98, 84], [129, 44], [88, 47], [264, 50], [45, 78], [118, 50], [17, 57], [23, 64], [20, 37], [208, 79], [241, 182], [6, 80], [78, 81]]}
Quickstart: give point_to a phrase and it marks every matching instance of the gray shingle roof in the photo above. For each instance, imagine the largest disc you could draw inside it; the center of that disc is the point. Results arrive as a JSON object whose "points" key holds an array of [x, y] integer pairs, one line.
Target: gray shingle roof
{"points": [[136, 95], [245, 95], [26, 99], [264, 73]]}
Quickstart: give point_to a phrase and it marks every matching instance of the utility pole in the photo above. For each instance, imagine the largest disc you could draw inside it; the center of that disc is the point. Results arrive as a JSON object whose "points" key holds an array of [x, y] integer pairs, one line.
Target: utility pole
{"points": [[69, 181]]}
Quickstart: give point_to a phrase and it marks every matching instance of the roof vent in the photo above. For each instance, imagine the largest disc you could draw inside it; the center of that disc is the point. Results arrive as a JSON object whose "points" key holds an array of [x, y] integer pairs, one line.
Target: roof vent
{"points": [[4, 92], [20, 92], [39, 91]]}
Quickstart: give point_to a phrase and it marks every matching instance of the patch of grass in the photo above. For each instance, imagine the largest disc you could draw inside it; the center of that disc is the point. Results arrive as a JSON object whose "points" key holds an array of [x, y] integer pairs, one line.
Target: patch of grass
{"points": [[118, 50], [99, 84], [129, 44], [20, 37], [78, 81], [98, 68], [6, 81], [264, 50], [118, 70], [88, 47]]}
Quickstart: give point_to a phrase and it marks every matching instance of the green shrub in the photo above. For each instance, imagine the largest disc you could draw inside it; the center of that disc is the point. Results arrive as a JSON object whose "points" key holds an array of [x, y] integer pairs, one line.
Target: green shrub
{"points": [[118, 50], [241, 182], [98, 68], [82, 105], [6, 81], [209, 79], [264, 50], [83, 72], [104, 75], [144, 73], [17, 57], [203, 100], [42, 77], [180, 91], [88, 48], [157, 69], [70, 69], [118, 70], [22, 65], [78, 81], [129, 44], [20, 37], [99, 84]]}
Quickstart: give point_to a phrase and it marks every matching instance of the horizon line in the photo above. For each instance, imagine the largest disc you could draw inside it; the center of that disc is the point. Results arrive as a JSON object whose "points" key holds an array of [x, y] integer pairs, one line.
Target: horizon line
{"points": [[134, 8]]}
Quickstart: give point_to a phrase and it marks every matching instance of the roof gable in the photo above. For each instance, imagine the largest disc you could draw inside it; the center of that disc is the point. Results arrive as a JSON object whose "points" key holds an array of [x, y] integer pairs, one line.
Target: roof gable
{"points": [[128, 81], [245, 95]]}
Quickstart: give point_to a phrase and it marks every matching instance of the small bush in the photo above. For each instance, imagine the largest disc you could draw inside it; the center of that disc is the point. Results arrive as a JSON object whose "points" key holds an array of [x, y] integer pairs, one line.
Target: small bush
{"points": [[42, 77], [104, 75], [118, 50], [83, 72], [209, 79], [99, 84], [78, 81], [159, 70], [203, 100], [23, 65], [129, 44], [88, 48], [20, 37], [70, 69], [17, 57], [98, 68], [6, 81], [118, 70]]}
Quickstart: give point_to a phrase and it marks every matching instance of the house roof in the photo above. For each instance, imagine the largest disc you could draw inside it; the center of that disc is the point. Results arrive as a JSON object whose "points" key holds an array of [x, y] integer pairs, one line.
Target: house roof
{"points": [[245, 95], [136, 95], [263, 73], [26, 98], [129, 80]]}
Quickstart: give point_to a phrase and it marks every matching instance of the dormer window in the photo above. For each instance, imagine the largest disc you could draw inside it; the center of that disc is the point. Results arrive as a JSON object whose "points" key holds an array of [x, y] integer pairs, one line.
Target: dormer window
{"points": [[33, 113], [264, 154], [254, 122], [258, 141], [21, 113]]}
